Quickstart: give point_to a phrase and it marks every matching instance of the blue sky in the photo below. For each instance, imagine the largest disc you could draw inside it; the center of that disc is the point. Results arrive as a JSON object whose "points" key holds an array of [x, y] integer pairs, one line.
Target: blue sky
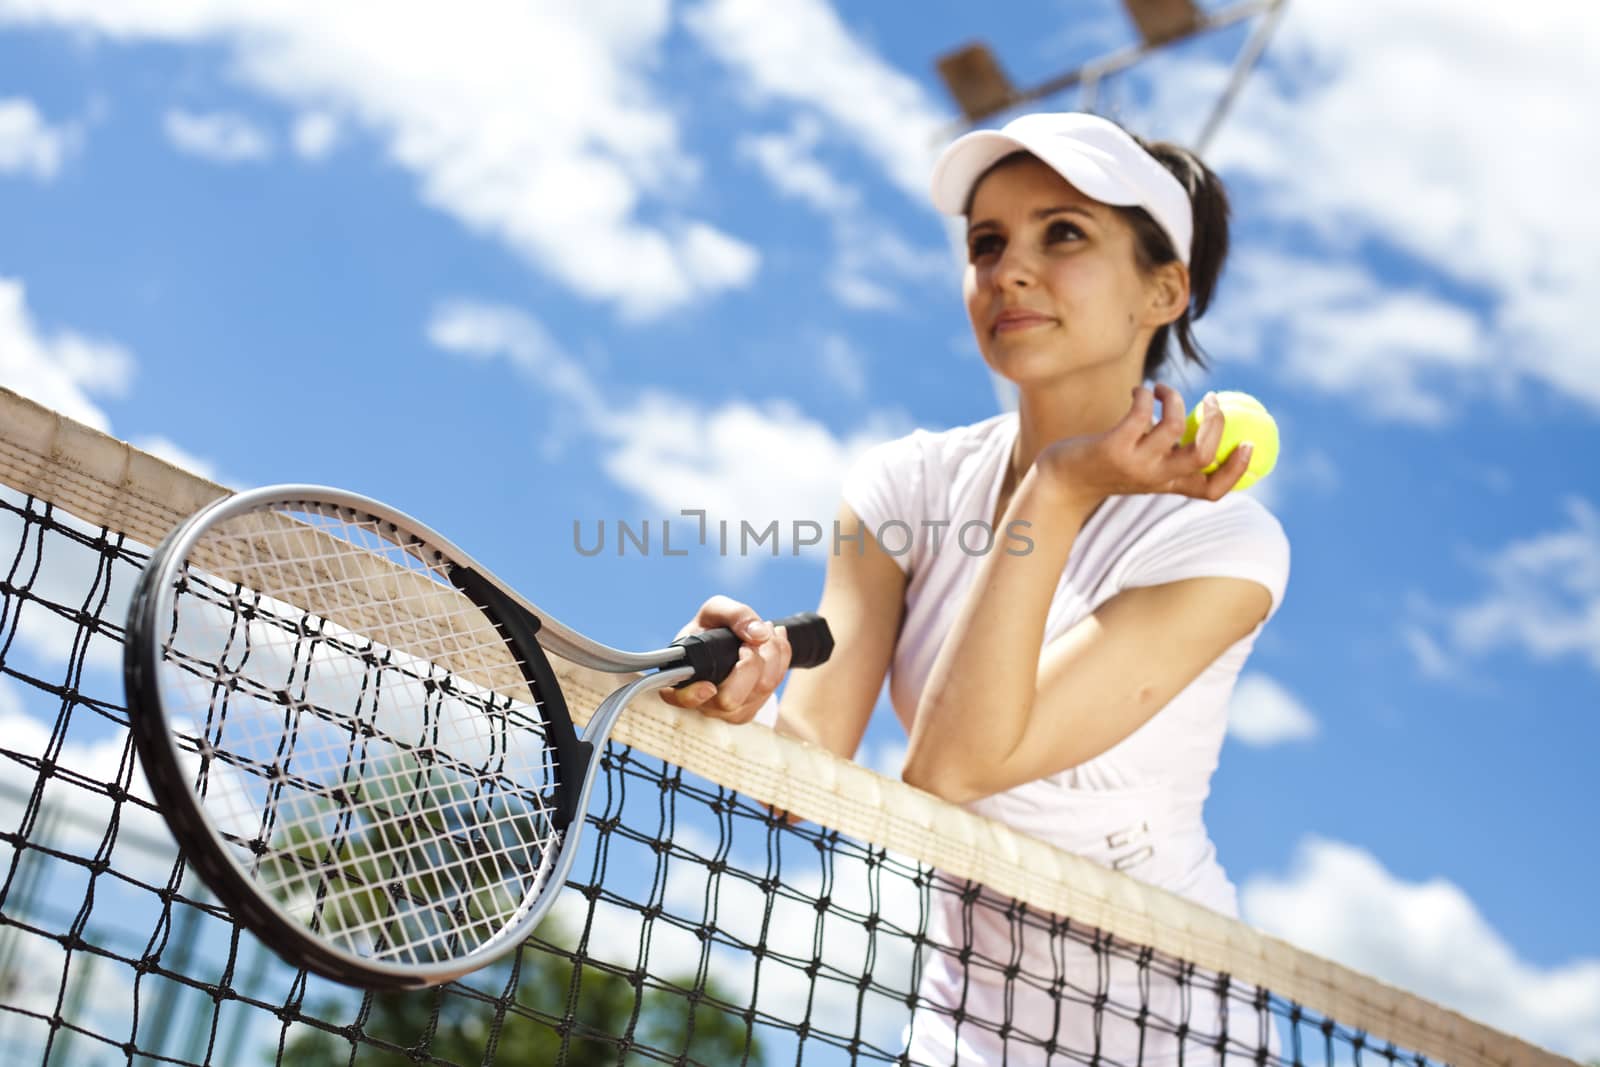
{"points": [[607, 261]]}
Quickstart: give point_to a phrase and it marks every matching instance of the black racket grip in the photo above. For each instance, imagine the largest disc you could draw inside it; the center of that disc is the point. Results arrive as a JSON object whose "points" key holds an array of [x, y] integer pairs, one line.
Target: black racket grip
{"points": [[714, 653]]}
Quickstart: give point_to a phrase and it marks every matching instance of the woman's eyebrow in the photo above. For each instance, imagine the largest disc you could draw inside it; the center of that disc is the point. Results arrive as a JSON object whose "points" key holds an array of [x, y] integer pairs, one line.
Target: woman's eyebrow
{"points": [[1038, 214], [1064, 209]]}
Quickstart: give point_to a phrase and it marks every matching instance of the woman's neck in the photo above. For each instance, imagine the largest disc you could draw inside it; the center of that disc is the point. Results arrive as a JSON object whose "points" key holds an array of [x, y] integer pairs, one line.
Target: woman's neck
{"points": [[1074, 407]]}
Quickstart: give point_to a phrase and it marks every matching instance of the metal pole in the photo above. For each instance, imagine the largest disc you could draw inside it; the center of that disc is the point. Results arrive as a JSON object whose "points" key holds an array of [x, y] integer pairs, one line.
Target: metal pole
{"points": [[241, 1018], [1241, 70], [1097, 69], [168, 991], [81, 969]]}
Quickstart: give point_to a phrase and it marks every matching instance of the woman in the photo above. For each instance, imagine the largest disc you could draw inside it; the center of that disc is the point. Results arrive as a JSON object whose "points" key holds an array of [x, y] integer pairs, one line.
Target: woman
{"points": [[1077, 689]]}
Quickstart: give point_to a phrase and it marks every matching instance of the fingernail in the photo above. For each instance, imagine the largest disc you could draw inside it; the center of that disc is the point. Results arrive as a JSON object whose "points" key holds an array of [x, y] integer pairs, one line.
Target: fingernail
{"points": [[1248, 449], [758, 628], [702, 691]]}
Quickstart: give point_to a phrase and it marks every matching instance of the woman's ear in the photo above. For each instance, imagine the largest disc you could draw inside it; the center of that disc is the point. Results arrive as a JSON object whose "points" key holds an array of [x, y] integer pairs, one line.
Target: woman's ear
{"points": [[1168, 293]]}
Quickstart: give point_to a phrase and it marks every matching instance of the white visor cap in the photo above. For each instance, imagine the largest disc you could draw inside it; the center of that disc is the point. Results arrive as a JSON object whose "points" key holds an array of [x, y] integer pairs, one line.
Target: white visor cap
{"points": [[1097, 156]]}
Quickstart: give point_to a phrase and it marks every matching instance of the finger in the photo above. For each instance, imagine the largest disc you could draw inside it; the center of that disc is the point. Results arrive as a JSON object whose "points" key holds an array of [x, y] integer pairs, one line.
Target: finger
{"points": [[1140, 412], [1233, 468], [736, 615], [690, 697], [1220, 482], [737, 717], [1202, 451], [711, 615], [1211, 427], [734, 691], [1166, 433], [776, 656], [789, 818], [769, 660]]}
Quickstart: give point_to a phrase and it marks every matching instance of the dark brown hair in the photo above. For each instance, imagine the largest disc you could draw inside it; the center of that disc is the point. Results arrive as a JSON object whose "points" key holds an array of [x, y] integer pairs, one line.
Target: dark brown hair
{"points": [[1208, 202]]}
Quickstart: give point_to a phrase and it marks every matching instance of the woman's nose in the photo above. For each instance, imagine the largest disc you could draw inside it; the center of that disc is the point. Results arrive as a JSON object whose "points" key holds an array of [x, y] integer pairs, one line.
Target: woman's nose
{"points": [[1014, 270]]}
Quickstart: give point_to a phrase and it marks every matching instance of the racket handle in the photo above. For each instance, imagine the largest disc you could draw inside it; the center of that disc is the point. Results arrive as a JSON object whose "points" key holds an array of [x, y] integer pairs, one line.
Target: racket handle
{"points": [[714, 653], [810, 640]]}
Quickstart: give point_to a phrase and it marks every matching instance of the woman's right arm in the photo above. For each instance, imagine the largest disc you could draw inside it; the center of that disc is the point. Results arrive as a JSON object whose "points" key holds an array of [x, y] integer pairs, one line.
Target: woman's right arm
{"points": [[863, 599]]}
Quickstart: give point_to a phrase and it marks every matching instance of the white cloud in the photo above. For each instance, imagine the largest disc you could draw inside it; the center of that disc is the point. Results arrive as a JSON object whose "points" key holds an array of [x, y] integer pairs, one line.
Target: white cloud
{"points": [[1263, 713], [10, 700], [842, 365], [87, 812], [59, 370], [314, 135], [1338, 144], [31, 145], [713, 259], [1431, 658], [844, 92], [70, 819], [887, 758], [738, 461], [1339, 901], [863, 294], [788, 162], [167, 449], [218, 136], [1542, 598], [868, 255], [533, 124], [1300, 471], [71, 574], [66, 371], [476, 330], [787, 924], [808, 57], [1341, 329], [869, 252]]}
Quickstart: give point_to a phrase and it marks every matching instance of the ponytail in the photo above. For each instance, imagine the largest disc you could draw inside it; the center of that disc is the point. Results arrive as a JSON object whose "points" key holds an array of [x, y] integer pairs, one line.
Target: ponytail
{"points": [[1208, 202]]}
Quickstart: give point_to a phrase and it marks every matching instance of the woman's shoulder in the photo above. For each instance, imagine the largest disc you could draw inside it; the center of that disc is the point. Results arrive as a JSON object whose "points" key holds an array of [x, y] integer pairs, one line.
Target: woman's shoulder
{"points": [[1161, 516], [947, 449], [944, 449], [1164, 537]]}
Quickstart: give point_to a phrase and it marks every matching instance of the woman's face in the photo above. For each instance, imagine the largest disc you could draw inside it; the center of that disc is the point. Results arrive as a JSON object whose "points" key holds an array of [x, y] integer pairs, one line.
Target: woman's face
{"points": [[1052, 285]]}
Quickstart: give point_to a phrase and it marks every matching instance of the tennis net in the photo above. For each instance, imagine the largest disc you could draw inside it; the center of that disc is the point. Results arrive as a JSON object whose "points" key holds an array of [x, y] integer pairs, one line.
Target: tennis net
{"points": [[697, 926]]}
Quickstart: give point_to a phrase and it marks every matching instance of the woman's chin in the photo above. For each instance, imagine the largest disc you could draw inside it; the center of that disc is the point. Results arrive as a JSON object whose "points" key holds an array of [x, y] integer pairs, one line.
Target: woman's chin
{"points": [[1024, 365]]}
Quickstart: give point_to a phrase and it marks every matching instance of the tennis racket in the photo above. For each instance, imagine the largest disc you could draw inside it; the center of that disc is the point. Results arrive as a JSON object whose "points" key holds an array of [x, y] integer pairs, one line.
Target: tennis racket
{"points": [[357, 739]]}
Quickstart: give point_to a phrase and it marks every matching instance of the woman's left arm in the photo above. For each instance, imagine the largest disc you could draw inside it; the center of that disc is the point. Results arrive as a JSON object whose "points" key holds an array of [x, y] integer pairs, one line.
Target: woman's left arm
{"points": [[999, 709]]}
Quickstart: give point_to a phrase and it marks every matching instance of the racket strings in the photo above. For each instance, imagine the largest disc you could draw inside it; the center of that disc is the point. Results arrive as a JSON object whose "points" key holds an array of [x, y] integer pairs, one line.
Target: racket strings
{"points": [[374, 586], [360, 734]]}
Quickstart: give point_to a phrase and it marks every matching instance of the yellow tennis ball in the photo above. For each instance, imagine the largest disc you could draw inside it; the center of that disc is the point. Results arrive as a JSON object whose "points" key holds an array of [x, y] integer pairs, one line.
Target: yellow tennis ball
{"points": [[1244, 418]]}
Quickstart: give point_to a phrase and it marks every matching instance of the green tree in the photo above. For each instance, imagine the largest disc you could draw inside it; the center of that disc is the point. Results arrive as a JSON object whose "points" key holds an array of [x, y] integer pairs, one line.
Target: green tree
{"points": [[609, 1008], [375, 837]]}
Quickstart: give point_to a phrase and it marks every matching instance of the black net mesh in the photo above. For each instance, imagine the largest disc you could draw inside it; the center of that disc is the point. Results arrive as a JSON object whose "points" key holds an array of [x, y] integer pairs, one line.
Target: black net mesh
{"points": [[697, 926]]}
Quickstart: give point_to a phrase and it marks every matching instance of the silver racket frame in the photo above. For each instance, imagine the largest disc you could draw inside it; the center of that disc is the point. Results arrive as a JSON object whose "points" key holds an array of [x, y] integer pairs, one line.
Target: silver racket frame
{"points": [[152, 601]]}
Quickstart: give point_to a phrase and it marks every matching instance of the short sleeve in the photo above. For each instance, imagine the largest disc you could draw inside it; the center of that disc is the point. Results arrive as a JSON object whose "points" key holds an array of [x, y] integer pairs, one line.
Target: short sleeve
{"points": [[1236, 537], [884, 485]]}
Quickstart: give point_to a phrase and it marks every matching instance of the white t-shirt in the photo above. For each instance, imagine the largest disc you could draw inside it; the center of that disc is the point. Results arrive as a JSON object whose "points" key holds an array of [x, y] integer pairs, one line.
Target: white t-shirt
{"points": [[1136, 807]]}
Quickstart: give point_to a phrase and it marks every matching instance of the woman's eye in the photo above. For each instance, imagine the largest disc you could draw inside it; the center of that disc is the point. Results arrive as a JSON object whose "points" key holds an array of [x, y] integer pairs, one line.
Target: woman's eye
{"points": [[1061, 230], [987, 244]]}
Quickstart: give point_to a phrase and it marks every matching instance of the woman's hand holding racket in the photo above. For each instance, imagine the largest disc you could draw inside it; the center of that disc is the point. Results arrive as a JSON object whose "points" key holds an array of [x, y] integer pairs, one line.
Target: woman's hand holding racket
{"points": [[764, 657]]}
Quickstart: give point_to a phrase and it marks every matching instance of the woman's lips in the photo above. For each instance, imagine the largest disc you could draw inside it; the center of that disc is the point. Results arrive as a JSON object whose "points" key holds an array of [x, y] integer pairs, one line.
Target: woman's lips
{"points": [[1012, 321]]}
